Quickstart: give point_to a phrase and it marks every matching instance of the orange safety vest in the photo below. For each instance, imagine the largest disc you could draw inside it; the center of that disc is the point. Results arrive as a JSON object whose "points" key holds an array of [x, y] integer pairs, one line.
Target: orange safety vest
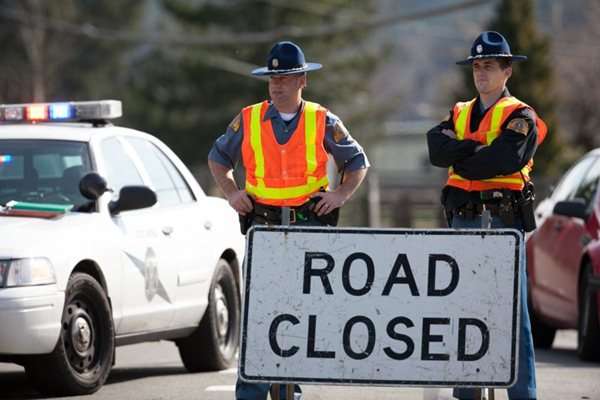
{"points": [[284, 174], [489, 130]]}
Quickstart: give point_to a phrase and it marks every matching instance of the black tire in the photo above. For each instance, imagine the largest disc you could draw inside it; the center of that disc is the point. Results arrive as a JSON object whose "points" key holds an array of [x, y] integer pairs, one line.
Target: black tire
{"points": [[588, 326], [213, 345], [543, 334], [83, 356]]}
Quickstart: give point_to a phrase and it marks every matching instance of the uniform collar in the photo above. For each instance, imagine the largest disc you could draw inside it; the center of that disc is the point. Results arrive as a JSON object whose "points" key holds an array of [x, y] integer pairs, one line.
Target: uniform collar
{"points": [[272, 112], [505, 93]]}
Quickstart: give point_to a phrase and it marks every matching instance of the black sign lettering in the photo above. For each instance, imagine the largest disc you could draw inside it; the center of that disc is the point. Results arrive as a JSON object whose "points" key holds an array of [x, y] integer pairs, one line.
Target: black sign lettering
{"points": [[433, 262], [273, 335], [312, 334], [410, 345], [346, 274], [427, 338], [310, 271], [408, 278], [462, 333], [371, 337]]}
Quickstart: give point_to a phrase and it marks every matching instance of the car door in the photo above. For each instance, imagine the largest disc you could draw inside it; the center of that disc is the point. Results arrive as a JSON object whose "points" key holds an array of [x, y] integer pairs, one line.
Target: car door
{"points": [[557, 246], [187, 228], [574, 239], [148, 279]]}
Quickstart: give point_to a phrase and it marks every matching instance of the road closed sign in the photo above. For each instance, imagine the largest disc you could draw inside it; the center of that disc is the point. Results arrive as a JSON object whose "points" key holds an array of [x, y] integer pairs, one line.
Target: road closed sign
{"points": [[381, 307]]}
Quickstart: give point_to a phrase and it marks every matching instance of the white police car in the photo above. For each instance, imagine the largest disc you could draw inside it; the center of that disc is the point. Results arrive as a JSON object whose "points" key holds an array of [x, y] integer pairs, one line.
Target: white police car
{"points": [[107, 239]]}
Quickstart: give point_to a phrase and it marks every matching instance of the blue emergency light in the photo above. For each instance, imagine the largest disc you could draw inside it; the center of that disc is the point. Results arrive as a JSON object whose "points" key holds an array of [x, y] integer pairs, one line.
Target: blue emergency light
{"points": [[74, 111], [61, 111]]}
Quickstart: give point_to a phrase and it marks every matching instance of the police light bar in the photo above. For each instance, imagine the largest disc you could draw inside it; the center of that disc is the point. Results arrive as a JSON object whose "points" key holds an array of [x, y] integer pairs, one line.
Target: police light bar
{"points": [[72, 111]]}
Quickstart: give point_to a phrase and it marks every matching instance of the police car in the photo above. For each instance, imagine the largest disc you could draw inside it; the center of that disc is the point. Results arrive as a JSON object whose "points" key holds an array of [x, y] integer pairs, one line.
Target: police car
{"points": [[107, 240]]}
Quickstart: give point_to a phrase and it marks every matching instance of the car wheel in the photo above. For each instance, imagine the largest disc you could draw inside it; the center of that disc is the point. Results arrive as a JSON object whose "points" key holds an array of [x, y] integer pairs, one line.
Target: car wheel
{"points": [[83, 356], [588, 327], [543, 334], [213, 344]]}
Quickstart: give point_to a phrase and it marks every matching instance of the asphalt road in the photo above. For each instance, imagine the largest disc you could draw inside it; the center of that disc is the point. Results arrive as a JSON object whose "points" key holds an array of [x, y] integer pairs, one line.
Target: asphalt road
{"points": [[152, 371]]}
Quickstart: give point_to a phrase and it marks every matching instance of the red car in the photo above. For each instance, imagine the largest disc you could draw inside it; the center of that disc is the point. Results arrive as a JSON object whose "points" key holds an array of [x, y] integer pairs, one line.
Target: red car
{"points": [[563, 260]]}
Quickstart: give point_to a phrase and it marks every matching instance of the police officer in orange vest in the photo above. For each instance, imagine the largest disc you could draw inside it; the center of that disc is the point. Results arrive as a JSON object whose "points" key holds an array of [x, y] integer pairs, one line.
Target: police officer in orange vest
{"points": [[284, 145], [488, 144]]}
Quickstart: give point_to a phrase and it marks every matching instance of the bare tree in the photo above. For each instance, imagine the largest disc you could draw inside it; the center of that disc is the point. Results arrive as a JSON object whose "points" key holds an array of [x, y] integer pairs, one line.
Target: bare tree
{"points": [[578, 55]]}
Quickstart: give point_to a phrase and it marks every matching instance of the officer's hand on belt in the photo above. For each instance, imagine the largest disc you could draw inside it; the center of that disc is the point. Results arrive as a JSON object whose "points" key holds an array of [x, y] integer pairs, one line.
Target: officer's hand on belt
{"points": [[240, 202], [328, 201]]}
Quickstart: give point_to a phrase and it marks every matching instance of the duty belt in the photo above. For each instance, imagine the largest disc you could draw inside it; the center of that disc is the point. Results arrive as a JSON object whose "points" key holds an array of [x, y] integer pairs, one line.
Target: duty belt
{"points": [[272, 215], [506, 210]]}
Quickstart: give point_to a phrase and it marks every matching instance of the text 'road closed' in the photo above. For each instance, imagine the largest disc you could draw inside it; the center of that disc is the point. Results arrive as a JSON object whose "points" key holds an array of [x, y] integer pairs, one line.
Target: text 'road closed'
{"points": [[399, 328], [381, 307]]}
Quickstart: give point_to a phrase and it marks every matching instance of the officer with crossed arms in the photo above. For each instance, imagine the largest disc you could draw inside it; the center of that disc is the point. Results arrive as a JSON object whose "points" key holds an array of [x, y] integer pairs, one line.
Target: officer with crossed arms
{"points": [[488, 144]]}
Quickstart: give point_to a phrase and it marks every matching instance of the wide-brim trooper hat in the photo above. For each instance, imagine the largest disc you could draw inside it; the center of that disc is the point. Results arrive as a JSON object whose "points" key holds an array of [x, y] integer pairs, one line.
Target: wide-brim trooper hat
{"points": [[286, 58], [490, 44]]}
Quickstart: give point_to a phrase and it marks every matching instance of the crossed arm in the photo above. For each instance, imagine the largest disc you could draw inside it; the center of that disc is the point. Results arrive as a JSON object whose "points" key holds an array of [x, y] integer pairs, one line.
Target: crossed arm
{"points": [[510, 152]]}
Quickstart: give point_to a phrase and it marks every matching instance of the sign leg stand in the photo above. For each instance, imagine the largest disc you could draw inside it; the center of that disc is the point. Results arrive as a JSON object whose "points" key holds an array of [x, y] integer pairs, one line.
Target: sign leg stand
{"points": [[289, 387], [485, 393], [275, 391]]}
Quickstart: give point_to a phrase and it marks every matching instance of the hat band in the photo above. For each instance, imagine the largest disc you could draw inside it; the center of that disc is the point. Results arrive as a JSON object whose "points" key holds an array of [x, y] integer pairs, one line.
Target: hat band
{"points": [[489, 55], [289, 69]]}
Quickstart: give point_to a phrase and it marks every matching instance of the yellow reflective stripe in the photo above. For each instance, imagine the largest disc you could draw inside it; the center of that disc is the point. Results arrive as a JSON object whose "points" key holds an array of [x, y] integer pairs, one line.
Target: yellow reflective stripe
{"points": [[495, 124], [461, 121], [457, 177], [497, 179], [505, 180], [497, 118], [288, 192], [255, 142], [310, 132]]}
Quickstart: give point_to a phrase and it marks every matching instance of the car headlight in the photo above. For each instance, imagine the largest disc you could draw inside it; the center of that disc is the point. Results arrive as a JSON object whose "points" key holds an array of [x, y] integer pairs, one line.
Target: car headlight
{"points": [[26, 272]]}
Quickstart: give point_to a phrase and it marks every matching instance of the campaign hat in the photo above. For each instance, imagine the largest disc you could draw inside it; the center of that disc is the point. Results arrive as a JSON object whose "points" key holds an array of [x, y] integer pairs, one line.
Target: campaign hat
{"points": [[490, 44], [286, 58]]}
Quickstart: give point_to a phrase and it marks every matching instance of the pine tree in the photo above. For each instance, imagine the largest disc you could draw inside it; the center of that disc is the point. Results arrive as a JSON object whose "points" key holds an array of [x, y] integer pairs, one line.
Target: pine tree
{"points": [[532, 80]]}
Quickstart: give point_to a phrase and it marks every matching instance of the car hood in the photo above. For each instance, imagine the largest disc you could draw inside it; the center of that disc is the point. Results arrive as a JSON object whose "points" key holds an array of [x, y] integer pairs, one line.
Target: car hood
{"points": [[23, 236]]}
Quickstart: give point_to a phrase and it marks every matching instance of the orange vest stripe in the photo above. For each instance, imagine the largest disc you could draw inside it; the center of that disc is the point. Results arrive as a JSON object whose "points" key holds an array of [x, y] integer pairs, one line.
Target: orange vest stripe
{"points": [[489, 130]]}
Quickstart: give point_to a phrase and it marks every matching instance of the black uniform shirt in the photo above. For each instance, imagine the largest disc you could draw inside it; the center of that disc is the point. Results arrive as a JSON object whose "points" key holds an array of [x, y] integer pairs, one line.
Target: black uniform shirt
{"points": [[507, 154]]}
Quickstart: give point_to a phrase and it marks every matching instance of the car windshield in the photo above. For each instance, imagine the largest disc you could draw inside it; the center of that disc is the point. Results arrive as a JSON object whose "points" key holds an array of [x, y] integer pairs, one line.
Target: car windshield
{"points": [[43, 171]]}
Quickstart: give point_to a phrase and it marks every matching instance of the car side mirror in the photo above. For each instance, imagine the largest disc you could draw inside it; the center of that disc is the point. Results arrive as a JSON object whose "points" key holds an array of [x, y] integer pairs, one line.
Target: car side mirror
{"points": [[571, 208], [92, 186], [133, 198]]}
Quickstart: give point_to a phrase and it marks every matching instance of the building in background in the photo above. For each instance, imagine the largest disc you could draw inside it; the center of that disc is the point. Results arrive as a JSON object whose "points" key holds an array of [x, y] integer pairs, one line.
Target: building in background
{"points": [[404, 188]]}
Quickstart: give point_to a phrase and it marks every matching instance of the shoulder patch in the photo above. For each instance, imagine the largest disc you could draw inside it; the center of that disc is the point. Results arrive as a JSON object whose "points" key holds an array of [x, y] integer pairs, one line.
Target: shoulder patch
{"points": [[339, 132], [519, 125], [234, 125]]}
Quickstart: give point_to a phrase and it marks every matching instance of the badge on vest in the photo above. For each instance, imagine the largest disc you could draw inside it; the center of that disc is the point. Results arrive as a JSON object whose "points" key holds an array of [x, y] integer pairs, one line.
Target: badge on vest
{"points": [[518, 125], [235, 124]]}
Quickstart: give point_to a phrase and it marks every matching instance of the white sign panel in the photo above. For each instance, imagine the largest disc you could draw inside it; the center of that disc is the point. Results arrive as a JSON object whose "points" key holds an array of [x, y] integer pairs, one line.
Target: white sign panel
{"points": [[381, 307]]}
